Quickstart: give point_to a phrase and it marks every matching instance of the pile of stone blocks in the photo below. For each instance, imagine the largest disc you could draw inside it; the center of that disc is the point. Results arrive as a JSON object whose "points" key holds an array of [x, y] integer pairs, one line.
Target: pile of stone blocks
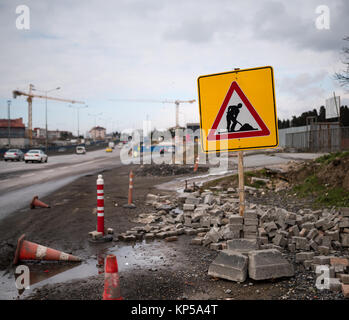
{"points": [[243, 258], [212, 219]]}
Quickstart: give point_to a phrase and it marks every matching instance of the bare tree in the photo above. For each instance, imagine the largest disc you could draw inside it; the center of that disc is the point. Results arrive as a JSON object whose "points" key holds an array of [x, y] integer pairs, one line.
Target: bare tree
{"points": [[343, 77]]}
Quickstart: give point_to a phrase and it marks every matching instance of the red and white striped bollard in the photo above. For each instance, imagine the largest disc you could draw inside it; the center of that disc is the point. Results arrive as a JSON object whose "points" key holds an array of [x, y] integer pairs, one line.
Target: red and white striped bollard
{"points": [[130, 188], [100, 204]]}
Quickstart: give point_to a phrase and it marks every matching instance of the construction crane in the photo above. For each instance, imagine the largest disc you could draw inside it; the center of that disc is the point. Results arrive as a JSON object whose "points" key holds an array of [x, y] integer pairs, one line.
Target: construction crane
{"points": [[176, 102], [30, 96]]}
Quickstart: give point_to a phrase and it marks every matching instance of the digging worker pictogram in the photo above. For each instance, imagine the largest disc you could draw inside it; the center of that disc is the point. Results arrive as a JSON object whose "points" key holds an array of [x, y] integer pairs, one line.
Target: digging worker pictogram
{"points": [[232, 114]]}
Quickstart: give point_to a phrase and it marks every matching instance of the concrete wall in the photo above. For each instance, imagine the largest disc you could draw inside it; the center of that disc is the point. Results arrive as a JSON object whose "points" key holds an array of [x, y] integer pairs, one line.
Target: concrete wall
{"points": [[283, 132], [15, 142]]}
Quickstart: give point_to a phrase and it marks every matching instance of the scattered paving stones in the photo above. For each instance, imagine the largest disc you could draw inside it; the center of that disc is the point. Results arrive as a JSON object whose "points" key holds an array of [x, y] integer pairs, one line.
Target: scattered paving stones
{"points": [[229, 265], [309, 238], [268, 264]]}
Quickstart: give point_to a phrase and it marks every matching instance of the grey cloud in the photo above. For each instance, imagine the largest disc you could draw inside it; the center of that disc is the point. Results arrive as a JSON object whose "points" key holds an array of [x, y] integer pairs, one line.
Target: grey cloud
{"points": [[304, 85], [192, 31], [203, 23], [275, 21]]}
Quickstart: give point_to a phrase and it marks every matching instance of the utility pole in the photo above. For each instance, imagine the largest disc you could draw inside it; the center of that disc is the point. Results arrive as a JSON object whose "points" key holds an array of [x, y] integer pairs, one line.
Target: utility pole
{"points": [[46, 129], [9, 122], [78, 108], [30, 114], [95, 116]]}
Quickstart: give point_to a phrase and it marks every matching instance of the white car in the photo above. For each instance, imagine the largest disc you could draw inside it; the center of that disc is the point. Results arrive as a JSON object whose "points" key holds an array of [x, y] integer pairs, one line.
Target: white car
{"points": [[80, 150], [35, 156], [13, 154]]}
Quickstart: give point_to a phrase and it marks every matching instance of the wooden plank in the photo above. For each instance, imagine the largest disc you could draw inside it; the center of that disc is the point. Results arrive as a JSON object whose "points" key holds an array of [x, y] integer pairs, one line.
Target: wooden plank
{"points": [[241, 182]]}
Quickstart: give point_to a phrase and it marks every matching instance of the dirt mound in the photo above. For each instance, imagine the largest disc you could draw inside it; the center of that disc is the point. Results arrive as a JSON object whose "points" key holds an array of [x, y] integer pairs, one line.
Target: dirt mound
{"points": [[331, 170], [167, 170]]}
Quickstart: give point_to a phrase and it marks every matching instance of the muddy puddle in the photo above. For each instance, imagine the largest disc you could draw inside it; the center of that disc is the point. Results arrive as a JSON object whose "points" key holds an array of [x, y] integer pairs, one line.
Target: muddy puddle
{"points": [[143, 255]]}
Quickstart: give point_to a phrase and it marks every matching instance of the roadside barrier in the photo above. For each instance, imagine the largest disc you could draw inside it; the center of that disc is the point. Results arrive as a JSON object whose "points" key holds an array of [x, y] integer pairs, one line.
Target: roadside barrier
{"points": [[130, 188], [100, 204], [111, 279], [37, 203], [196, 164], [27, 250], [98, 236], [129, 203]]}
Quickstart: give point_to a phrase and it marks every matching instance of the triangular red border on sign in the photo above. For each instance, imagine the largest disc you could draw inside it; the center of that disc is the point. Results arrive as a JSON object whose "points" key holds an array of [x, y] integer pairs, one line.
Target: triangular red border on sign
{"points": [[235, 135]]}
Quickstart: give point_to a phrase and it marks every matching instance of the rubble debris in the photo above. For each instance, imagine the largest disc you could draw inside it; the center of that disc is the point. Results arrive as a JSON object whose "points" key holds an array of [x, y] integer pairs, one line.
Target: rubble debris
{"points": [[229, 265], [167, 170], [268, 264], [262, 235]]}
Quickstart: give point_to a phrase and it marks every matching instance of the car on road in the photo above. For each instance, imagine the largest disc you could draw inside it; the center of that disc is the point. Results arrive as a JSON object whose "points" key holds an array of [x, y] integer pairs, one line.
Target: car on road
{"points": [[62, 149], [35, 155], [109, 150], [80, 150], [13, 154]]}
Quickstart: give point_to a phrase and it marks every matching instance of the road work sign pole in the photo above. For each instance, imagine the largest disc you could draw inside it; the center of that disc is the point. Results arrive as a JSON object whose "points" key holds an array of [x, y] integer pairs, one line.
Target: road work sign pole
{"points": [[100, 204], [130, 188], [241, 182]]}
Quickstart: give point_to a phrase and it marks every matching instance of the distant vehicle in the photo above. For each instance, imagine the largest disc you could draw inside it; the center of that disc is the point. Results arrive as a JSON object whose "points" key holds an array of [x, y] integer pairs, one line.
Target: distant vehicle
{"points": [[13, 154], [109, 150], [62, 149], [35, 156], [111, 145], [80, 150]]}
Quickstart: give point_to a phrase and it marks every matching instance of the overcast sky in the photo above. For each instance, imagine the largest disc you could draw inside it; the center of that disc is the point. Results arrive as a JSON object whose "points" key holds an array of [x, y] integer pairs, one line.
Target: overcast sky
{"points": [[156, 49]]}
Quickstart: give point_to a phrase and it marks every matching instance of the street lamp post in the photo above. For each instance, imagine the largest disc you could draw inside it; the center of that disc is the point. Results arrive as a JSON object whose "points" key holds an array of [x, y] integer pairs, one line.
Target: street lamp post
{"points": [[9, 122], [46, 129], [78, 109], [95, 116]]}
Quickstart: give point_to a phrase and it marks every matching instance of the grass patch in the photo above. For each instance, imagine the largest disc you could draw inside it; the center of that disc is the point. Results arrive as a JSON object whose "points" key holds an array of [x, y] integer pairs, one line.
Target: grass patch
{"points": [[257, 173], [258, 184], [327, 158], [321, 194]]}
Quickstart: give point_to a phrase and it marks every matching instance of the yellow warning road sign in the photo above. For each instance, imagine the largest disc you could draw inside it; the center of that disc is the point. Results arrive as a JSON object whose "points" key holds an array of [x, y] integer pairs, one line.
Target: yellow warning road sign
{"points": [[237, 110]]}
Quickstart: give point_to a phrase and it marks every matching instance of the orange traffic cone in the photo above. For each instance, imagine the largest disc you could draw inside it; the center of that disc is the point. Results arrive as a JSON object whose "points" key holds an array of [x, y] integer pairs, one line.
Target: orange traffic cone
{"points": [[196, 164], [111, 279], [27, 250], [37, 203]]}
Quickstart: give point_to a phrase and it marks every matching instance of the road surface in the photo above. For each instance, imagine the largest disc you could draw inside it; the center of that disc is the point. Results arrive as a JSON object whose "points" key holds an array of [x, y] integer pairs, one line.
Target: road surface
{"points": [[20, 181]]}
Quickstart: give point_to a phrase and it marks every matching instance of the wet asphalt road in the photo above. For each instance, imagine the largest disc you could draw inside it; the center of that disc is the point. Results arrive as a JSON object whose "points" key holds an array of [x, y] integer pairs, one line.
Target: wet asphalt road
{"points": [[20, 181]]}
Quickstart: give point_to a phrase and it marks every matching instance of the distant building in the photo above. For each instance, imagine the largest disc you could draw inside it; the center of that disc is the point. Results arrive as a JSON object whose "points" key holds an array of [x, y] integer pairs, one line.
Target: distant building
{"points": [[98, 133], [192, 128], [40, 133], [16, 128]]}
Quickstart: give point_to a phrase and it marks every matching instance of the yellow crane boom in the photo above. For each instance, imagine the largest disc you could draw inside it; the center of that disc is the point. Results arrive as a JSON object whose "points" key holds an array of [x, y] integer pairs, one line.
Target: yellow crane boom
{"points": [[176, 102], [30, 96]]}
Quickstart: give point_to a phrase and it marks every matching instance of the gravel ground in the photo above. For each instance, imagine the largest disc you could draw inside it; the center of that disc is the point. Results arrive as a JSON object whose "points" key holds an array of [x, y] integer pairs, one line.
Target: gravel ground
{"points": [[182, 274]]}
